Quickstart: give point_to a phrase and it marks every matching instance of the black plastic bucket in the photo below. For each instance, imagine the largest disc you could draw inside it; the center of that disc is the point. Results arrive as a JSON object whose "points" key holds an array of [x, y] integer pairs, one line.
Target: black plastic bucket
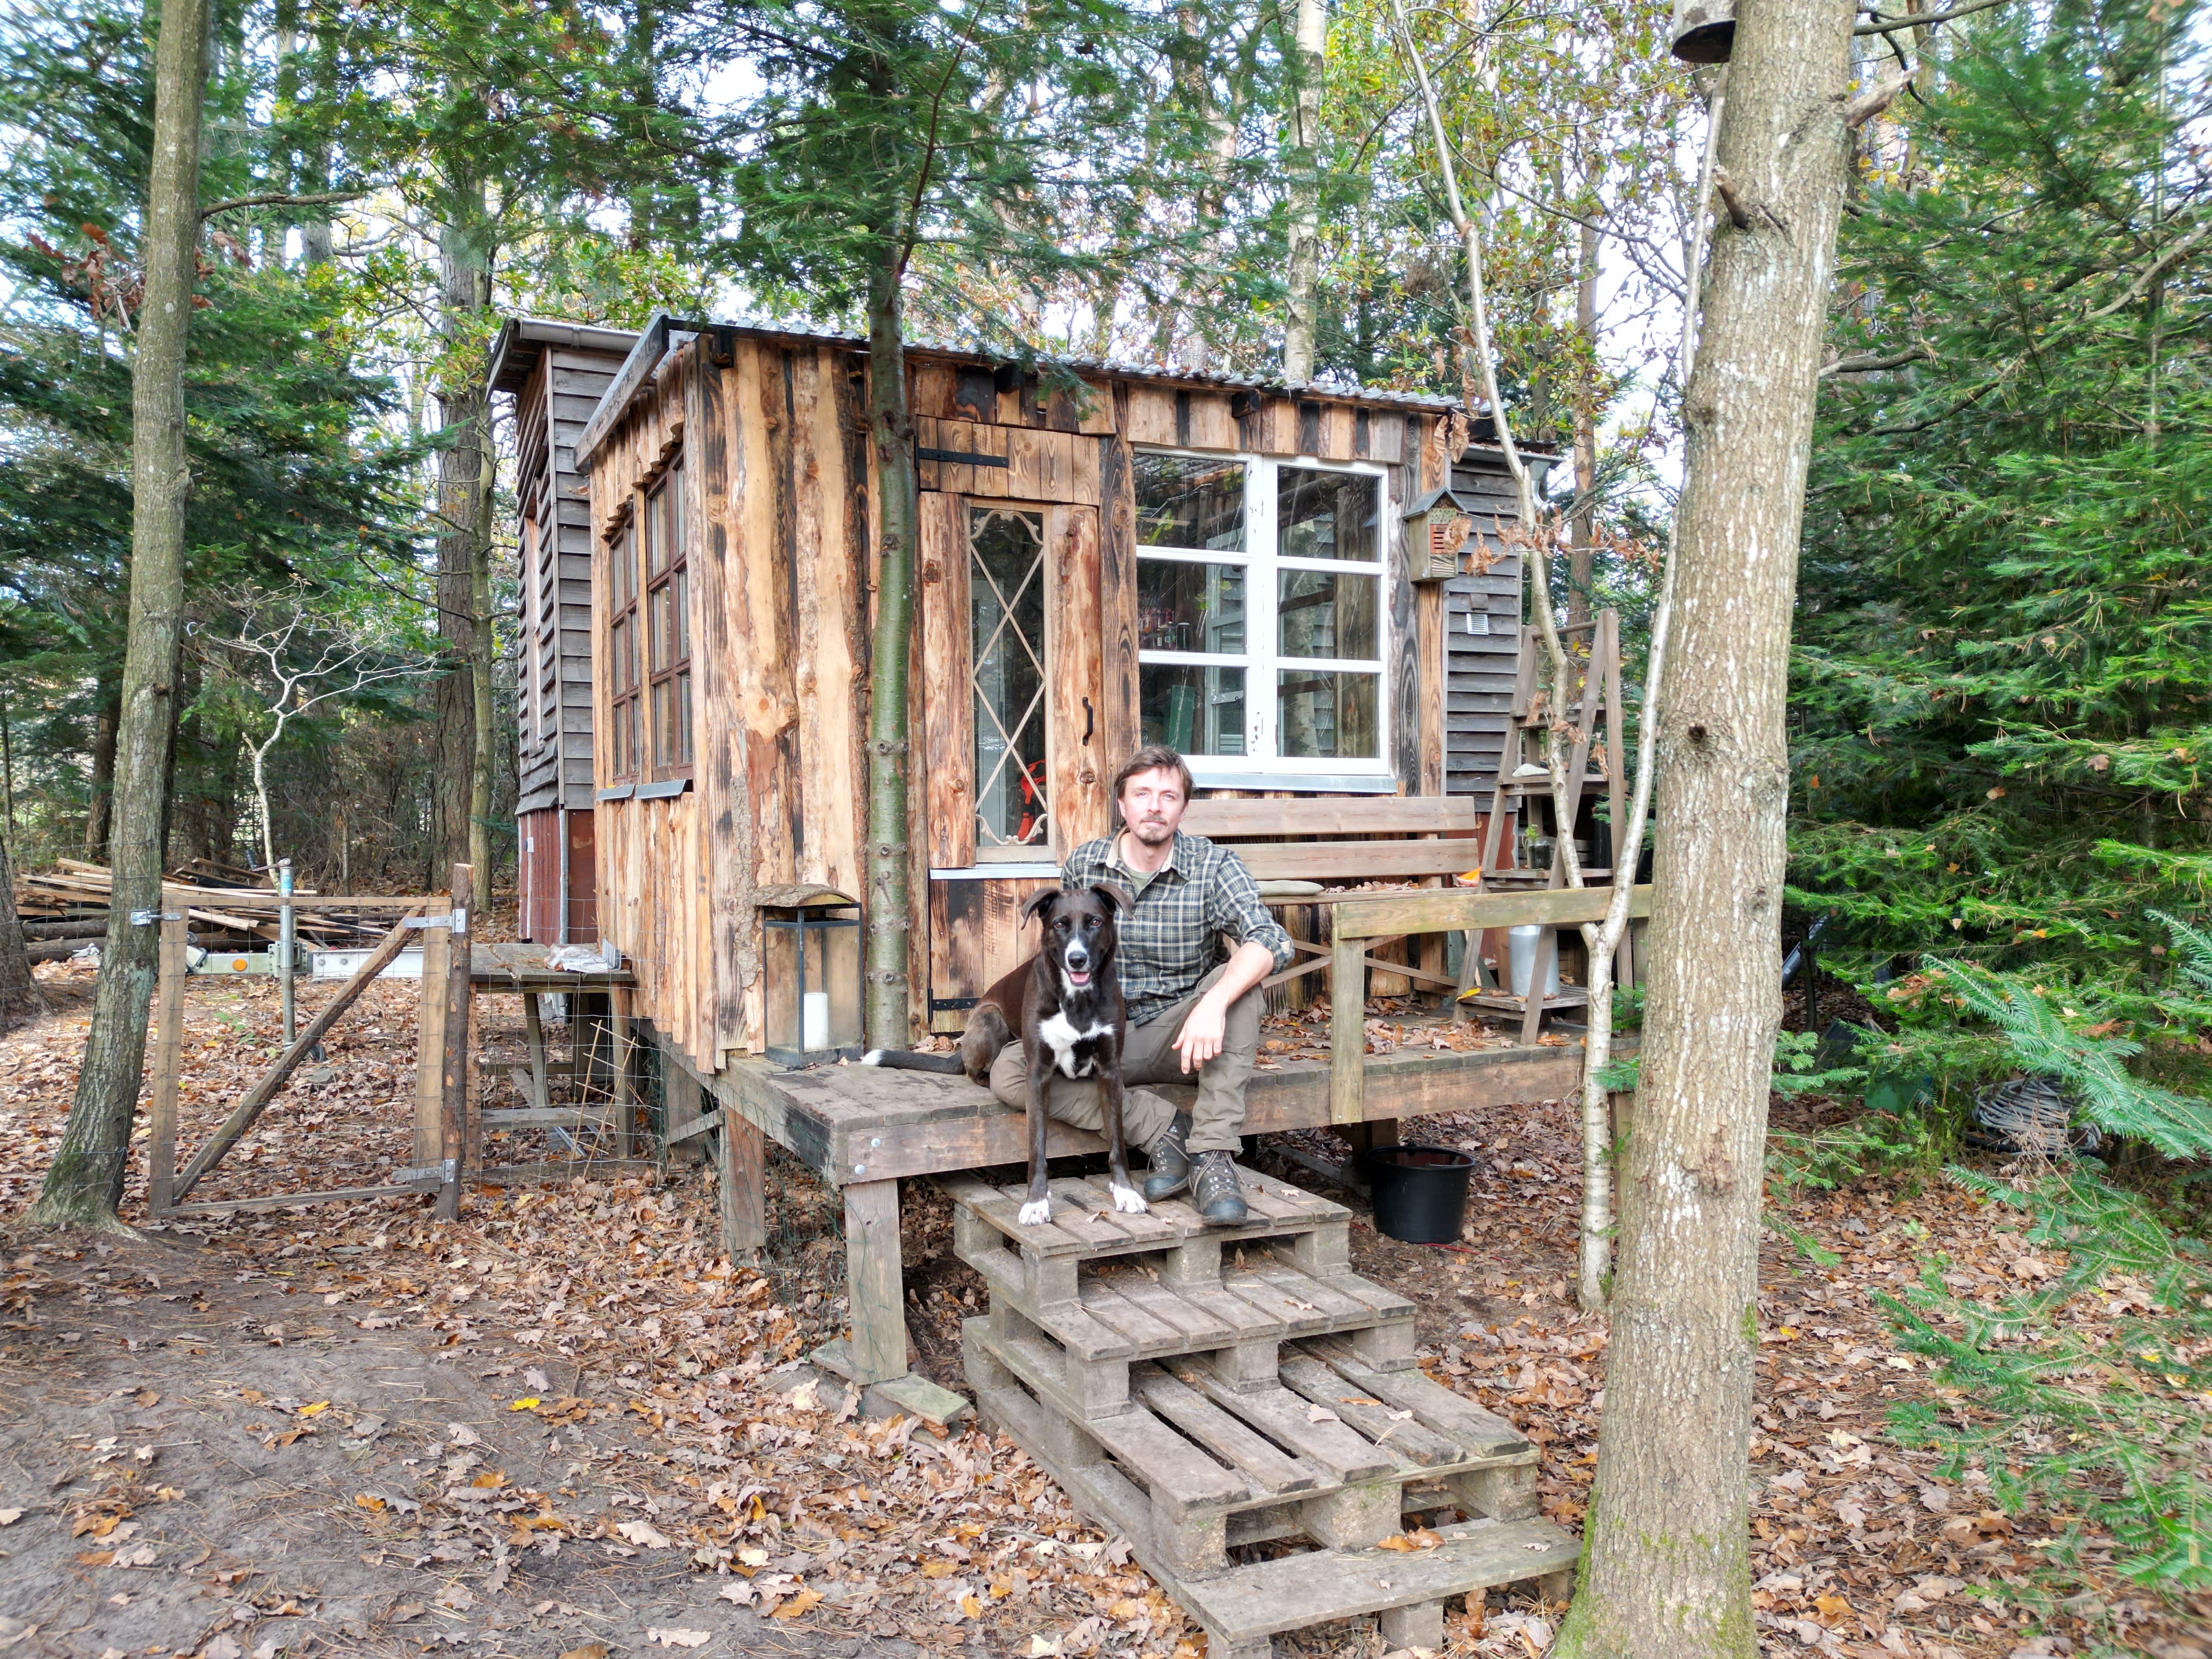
{"points": [[1420, 1192]]}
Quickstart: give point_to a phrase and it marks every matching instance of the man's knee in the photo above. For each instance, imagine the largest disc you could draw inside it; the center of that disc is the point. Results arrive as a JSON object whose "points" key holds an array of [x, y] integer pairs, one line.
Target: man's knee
{"points": [[1009, 1075]]}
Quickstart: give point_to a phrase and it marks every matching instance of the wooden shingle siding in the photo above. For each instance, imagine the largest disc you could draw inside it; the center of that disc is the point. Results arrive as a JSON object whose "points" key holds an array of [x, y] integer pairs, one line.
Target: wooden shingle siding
{"points": [[1479, 665], [554, 670]]}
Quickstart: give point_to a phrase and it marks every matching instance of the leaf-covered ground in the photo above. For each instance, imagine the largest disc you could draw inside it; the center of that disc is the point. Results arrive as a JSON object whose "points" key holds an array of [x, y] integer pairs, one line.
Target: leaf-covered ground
{"points": [[565, 1425]]}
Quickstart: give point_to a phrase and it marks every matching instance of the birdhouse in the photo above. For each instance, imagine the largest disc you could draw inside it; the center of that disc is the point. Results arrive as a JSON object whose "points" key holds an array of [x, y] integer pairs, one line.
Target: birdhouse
{"points": [[1438, 526], [1704, 30], [810, 969]]}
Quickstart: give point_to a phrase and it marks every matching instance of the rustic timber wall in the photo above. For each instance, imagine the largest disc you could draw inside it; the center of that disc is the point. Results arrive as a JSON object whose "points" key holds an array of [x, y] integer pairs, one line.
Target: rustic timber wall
{"points": [[1481, 631], [779, 509]]}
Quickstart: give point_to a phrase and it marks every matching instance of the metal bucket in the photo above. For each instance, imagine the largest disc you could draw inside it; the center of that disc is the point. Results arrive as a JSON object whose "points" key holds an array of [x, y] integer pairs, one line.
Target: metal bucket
{"points": [[1704, 30]]}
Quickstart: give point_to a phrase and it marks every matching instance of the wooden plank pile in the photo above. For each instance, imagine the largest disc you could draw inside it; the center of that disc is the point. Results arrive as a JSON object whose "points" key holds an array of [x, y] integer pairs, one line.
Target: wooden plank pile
{"points": [[1245, 1410], [65, 909]]}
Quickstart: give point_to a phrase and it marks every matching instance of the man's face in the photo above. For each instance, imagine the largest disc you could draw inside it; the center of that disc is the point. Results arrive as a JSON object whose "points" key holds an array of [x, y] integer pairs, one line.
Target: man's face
{"points": [[1152, 803]]}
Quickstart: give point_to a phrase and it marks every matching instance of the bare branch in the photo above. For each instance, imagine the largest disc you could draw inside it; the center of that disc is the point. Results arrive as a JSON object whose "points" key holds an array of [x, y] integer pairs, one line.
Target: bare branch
{"points": [[1926, 20], [1872, 362], [1876, 98], [280, 198]]}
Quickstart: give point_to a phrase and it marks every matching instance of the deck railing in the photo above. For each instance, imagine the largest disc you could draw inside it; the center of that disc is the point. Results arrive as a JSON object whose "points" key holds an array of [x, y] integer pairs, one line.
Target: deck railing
{"points": [[1355, 921]]}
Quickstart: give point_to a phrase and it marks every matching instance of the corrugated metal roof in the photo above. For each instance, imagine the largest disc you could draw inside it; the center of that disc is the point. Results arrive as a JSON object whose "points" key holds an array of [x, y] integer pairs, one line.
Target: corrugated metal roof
{"points": [[1347, 391]]}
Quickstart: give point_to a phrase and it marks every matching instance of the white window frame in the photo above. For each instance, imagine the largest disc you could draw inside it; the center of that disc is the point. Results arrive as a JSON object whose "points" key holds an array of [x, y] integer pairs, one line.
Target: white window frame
{"points": [[1259, 765]]}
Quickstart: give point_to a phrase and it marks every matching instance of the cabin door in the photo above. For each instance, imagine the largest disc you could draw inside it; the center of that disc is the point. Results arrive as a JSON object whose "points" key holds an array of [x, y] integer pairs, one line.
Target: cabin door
{"points": [[1013, 776]]}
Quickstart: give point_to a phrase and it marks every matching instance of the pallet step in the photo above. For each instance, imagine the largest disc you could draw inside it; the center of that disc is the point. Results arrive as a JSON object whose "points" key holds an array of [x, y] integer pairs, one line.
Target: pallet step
{"points": [[1086, 1224], [1167, 1472], [1206, 1441]]}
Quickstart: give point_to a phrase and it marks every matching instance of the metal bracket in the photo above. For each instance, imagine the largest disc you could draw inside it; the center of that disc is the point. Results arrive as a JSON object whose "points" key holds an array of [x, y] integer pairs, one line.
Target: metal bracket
{"points": [[147, 918], [429, 921], [448, 1172]]}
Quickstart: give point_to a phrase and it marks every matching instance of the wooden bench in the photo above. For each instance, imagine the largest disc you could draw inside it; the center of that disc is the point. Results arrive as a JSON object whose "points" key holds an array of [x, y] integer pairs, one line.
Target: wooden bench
{"points": [[1424, 838]]}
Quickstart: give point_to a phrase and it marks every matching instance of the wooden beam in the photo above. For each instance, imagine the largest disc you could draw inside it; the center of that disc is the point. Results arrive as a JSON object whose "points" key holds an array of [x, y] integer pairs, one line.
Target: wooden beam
{"points": [[1335, 815], [1446, 908], [454, 1072], [1347, 1029], [743, 1199], [285, 1200], [168, 1061], [258, 1098], [430, 1039], [873, 1281]]}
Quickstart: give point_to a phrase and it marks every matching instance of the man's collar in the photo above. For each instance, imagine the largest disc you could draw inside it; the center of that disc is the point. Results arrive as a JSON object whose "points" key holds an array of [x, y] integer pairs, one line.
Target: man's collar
{"points": [[1179, 856]]}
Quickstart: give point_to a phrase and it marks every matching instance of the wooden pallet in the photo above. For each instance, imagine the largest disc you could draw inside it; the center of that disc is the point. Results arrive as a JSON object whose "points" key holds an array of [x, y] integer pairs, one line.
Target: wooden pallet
{"points": [[1198, 1464], [1107, 1291]]}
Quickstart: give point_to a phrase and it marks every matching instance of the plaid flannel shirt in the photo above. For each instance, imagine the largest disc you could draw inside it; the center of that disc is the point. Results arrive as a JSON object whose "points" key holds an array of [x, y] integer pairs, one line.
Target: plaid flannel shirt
{"points": [[1166, 943]]}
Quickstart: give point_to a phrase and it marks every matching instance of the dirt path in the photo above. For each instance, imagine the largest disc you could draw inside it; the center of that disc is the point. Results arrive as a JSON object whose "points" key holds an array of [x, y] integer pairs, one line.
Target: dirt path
{"points": [[564, 1422]]}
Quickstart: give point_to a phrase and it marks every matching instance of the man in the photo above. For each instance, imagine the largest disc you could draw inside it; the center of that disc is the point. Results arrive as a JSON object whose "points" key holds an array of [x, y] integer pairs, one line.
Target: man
{"points": [[1187, 1012]]}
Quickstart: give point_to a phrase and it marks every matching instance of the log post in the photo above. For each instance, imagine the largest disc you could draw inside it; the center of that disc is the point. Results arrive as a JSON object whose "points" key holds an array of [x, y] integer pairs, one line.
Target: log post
{"points": [[454, 1081], [872, 1281], [168, 1059]]}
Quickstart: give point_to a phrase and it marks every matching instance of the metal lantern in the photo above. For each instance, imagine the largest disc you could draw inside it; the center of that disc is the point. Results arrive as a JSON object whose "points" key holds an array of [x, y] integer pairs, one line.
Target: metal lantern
{"points": [[1704, 30], [812, 968], [1438, 528]]}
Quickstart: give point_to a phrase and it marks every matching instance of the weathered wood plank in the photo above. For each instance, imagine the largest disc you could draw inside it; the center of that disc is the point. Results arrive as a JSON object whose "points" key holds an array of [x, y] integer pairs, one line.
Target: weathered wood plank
{"points": [[942, 675], [1340, 815], [1448, 908], [1079, 766], [169, 1064], [872, 1281]]}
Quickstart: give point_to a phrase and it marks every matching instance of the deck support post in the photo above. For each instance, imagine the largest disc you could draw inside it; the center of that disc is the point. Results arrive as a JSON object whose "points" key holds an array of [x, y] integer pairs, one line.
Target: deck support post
{"points": [[872, 1281], [742, 1172], [682, 1104], [168, 1062]]}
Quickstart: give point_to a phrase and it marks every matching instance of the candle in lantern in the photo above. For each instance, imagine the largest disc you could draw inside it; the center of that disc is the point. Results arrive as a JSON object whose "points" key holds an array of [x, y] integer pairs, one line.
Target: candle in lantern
{"points": [[814, 1020]]}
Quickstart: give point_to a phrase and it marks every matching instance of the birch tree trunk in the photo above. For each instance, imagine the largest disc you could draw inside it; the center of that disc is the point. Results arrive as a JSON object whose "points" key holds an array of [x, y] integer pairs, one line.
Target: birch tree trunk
{"points": [[1302, 163], [1582, 557], [85, 1183], [1667, 1551], [891, 427]]}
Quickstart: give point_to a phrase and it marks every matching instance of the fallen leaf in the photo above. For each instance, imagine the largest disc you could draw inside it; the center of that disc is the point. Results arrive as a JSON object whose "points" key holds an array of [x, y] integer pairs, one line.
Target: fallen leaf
{"points": [[529, 1402], [1832, 1609], [1321, 1414], [315, 1410], [644, 1533], [969, 1605], [679, 1639], [222, 1648], [802, 1603], [589, 1650], [9, 1518]]}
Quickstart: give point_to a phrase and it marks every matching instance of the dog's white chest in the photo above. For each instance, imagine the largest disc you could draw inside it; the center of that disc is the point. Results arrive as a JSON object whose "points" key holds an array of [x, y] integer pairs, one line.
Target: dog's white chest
{"points": [[1059, 1035]]}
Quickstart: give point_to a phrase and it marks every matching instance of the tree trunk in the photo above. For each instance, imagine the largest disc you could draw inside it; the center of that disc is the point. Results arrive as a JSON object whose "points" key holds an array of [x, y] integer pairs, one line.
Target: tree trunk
{"points": [[463, 291], [1581, 554], [484, 756], [19, 991], [890, 425], [108, 693], [1302, 164], [1667, 1545], [85, 1183]]}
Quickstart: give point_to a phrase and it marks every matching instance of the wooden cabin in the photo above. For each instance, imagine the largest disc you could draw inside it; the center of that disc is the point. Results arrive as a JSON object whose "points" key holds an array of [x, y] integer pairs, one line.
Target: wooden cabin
{"points": [[1302, 588], [1107, 556]]}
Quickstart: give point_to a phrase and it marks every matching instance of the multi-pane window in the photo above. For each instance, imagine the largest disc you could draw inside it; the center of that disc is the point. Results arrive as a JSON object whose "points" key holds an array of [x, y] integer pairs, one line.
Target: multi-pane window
{"points": [[1005, 599], [623, 751], [1259, 613], [668, 626]]}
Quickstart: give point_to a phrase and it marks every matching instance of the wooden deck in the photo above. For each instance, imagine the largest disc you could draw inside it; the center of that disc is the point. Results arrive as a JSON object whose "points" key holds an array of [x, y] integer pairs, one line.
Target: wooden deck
{"points": [[863, 1130]]}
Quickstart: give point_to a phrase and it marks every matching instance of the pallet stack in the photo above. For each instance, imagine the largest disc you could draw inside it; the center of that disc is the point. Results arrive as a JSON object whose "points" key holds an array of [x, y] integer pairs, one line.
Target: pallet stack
{"points": [[1245, 1410]]}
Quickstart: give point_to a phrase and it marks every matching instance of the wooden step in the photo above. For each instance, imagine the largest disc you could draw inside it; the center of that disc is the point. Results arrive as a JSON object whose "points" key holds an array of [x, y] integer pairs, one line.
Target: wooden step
{"points": [[1325, 1460], [1146, 1472], [1129, 1314]]}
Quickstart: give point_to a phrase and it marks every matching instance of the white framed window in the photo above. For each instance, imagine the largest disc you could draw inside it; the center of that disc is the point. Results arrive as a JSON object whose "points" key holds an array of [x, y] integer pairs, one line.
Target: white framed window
{"points": [[1260, 616]]}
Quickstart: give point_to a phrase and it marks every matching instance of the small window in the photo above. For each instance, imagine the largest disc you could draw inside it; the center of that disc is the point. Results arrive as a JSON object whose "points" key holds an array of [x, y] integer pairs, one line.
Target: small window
{"points": [[622, 650], [1259, 613], [1007, 680], [668, 628]]}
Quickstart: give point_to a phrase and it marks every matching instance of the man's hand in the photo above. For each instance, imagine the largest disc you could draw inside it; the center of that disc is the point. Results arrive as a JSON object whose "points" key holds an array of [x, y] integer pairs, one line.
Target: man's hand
{"points": [[1201, 1038]]}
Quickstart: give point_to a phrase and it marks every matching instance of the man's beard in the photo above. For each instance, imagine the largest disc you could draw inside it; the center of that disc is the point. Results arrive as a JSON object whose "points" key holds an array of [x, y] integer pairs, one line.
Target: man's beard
{"points": [[1151, 834]]}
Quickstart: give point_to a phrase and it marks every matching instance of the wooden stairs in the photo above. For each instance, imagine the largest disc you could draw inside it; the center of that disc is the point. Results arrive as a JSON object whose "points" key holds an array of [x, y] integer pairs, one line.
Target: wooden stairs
{"points": [[1245, 1410]]}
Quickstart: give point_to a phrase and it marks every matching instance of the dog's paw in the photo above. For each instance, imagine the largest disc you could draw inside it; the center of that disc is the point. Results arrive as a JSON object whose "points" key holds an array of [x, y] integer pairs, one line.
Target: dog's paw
{"points": [[1036, 1214], [873, 1057], [1128, 1200]]}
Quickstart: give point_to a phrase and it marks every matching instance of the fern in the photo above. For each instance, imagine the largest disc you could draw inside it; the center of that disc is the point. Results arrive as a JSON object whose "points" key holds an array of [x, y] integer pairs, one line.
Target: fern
{"points": [[2194, 945]]}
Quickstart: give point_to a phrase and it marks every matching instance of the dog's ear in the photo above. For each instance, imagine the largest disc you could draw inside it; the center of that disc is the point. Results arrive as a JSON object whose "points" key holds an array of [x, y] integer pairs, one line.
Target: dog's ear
{"points": [[1038, 902], [1115, 898]]}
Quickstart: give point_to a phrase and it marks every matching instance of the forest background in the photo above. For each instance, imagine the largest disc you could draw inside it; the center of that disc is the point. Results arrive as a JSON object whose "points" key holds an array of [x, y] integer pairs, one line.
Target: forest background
{"points": [[2003, 647]]}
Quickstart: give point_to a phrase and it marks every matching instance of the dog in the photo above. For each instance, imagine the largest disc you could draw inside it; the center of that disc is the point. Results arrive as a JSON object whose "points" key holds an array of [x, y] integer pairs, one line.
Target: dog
{"points": [[1065, 1003]]}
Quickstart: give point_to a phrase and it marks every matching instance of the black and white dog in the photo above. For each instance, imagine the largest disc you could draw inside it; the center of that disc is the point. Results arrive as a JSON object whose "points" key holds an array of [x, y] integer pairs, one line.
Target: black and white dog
{"points": [[1065, 1003]]}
